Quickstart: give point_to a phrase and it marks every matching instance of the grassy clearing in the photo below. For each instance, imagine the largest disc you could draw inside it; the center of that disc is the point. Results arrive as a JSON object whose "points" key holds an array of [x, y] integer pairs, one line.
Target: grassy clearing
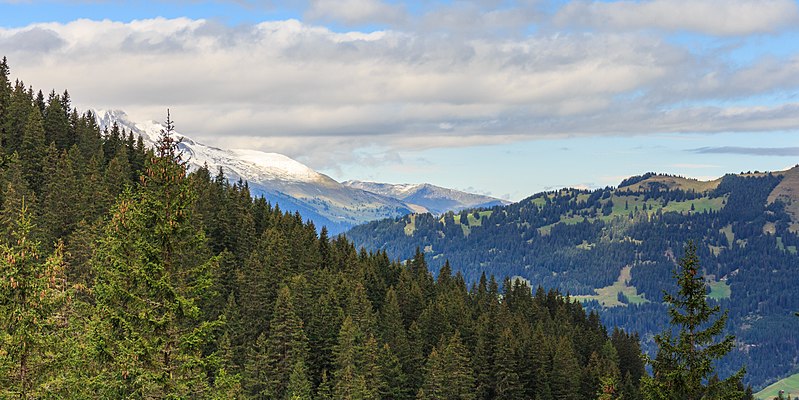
{"points": [[782, 247], [677, 183], [410, 227], [467, 229], [701, 204], [624, 204], [478, 222], [719, 290], [790, 385], [609, 296], [716, 250], [727, 231]]}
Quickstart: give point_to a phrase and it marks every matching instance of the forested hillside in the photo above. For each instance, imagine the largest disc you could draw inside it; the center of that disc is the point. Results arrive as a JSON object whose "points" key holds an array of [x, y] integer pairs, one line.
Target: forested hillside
{"points": [[122, 276], [615, 249]]}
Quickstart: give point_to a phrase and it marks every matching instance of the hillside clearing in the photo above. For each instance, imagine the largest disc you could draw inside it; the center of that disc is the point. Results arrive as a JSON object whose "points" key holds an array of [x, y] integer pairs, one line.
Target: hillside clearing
{"points": [[608, 296], [790, 385]]}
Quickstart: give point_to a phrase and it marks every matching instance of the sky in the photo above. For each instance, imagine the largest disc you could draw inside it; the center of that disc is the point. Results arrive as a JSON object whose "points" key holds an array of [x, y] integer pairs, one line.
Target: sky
{"points": [[500, 97]]}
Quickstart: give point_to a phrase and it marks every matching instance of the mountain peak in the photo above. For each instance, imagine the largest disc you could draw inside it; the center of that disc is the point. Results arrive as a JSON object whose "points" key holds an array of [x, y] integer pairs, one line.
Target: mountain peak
{"points": [[297, 187], [252, 165], [428, 197]]}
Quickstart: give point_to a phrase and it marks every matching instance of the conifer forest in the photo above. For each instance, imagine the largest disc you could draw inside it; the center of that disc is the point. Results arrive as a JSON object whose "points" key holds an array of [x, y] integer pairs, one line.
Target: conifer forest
{"points": [[126, 275]]}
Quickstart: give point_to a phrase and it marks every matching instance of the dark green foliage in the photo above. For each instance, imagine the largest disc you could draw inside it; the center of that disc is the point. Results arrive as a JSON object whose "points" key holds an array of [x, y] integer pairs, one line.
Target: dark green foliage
{"points": [[683, 367], [172, 284], [281, 357], [32, 151], [448, 374], [152, 269], [32, 315], [562, 240]]}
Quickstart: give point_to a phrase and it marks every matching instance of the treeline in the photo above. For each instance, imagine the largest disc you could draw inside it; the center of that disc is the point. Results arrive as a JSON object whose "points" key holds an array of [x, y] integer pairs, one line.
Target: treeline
{"points": [[747, 245], [124, 276]]}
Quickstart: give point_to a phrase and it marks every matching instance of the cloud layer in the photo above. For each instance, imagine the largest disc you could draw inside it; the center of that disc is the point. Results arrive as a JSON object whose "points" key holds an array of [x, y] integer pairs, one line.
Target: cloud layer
{"points": [[712, 17], [751, 151], [311, 92]]}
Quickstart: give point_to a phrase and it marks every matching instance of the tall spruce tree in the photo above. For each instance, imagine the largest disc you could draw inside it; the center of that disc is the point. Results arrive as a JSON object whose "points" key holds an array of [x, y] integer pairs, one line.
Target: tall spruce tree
{"points": [[33, 149], [448, 374], [683, 366], [356, 364], [152, 268], [284, 348], [33, 300]]}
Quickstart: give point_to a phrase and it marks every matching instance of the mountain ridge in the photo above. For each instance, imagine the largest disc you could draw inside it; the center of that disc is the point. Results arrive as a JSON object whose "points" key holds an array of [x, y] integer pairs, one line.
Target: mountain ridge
{"points": [[292, 185], [615, 249], [428, 197]]}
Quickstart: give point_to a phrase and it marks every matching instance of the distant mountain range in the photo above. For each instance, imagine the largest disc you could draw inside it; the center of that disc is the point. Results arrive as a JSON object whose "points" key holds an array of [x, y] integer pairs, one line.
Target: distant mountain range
{"points": [[615, 249], [425, 197], [296, 187]]}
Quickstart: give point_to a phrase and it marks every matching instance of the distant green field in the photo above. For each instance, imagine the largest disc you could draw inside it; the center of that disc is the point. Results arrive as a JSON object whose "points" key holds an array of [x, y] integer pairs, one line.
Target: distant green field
{"points": [[719, 290], [608, 296], [700, 204], [623, 205], [727, 231], [790, 385], [781, 246]]}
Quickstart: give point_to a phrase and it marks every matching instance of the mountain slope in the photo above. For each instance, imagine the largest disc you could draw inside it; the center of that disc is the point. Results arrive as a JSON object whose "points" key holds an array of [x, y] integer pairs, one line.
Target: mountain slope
{"points": [[615, 249], [787, 192], [280, 179], [427, 197], [296, 187]]}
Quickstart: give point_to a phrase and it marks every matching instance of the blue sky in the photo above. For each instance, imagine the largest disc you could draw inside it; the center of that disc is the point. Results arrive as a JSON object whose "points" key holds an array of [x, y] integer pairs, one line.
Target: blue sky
{"points": [[506, 97]]}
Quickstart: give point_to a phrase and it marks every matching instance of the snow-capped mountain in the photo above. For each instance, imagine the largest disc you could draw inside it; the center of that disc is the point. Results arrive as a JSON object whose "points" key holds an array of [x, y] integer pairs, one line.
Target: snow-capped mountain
{"points": [[427, 197], [297, 187], [280, 179]]}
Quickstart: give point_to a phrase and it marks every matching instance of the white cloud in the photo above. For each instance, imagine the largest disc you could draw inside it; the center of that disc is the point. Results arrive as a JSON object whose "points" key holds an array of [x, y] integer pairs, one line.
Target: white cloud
{"points": [[713, 17], [355, 12], [316, 94]]}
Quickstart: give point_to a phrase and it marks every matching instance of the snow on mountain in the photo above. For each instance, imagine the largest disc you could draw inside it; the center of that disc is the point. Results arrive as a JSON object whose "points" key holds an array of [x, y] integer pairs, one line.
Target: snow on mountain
{"points": [[434, 199], [282, 180], [296, 187], [251, 165]]}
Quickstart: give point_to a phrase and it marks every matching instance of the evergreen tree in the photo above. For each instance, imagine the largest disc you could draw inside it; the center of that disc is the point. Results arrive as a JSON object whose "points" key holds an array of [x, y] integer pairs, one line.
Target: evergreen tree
{"points": [[16, 195], [152, 270], [299, 387], [60, 198], [5, 96], [16, 118], [255, 378], [434, 382], [395, 382], [286, 346], [33, 300], [324, 391], [355, 364], [683, 363], [448, 374], [56, 123], [323, 330], [32, 150], [564, 378], [508, 385]]}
